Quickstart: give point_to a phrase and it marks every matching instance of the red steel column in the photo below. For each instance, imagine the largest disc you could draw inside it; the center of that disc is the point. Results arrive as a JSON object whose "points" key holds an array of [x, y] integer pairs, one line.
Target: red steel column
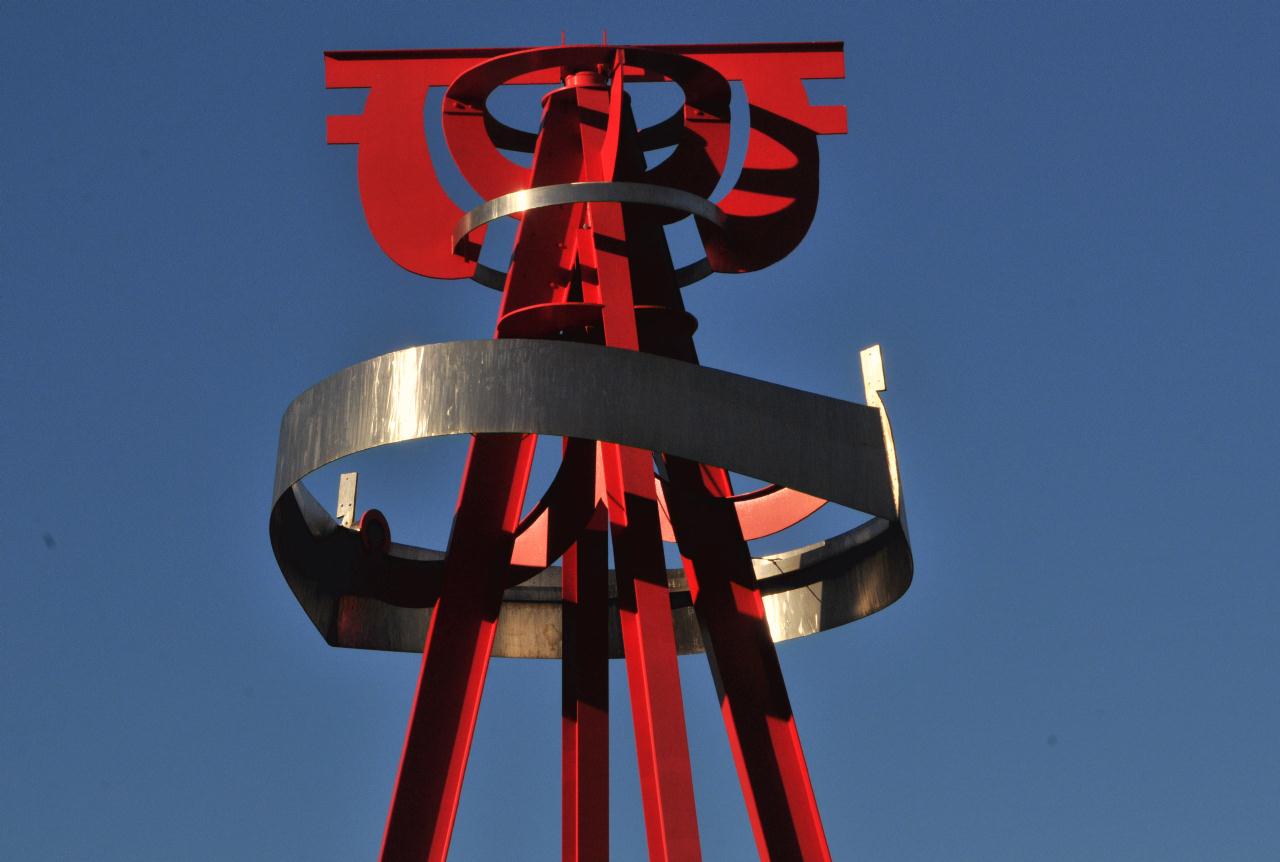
{"points": [[585, 692], [644, 603], [455, 658], [744, 661], [460, 636], [762, 732]]}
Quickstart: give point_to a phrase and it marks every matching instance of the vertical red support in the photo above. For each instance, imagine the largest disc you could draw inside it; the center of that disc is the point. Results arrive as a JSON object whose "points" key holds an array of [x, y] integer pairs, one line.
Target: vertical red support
{"points": [[744, 661], [585, 693], [754, 702], [644, 603], [455, 658], [653, 674], [464, 622]]}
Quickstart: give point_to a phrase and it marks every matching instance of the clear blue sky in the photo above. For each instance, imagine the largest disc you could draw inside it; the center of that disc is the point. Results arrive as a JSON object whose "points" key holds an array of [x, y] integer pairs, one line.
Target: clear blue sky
{"points": [[1060, 220]]}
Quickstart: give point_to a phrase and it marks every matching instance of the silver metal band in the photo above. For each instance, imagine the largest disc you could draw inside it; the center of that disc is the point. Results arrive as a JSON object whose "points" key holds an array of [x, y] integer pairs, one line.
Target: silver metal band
{"points": [[496, 279], [586, 192], [820, 445]]}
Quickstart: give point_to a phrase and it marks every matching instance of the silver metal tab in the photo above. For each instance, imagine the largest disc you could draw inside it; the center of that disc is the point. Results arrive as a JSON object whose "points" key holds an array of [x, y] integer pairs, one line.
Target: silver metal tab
{"points": [[347, 498]]}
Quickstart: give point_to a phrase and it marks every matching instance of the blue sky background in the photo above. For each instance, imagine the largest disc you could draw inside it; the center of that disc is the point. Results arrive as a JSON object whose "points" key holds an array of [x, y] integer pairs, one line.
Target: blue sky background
{"points": [[1060, 220]]}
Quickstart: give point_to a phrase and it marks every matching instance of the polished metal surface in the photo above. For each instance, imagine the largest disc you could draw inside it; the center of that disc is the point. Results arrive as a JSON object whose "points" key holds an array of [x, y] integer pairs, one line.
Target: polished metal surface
{"points": [[822, 446], [873, 383], [347, 498], [819, 445], [586, 192]]}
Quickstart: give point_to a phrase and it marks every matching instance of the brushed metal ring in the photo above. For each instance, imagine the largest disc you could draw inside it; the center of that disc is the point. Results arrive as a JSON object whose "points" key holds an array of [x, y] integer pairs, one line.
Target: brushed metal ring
{"points": [[651, 402], [496, 279], [588, 192]]}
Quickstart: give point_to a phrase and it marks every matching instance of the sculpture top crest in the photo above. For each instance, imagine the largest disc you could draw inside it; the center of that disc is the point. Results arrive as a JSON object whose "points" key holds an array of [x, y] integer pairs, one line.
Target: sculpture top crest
{"points": [[759, 222]]}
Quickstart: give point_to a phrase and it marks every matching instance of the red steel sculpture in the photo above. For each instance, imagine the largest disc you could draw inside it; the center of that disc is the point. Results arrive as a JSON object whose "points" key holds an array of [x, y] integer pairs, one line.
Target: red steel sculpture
{"points": [[593, 345]]}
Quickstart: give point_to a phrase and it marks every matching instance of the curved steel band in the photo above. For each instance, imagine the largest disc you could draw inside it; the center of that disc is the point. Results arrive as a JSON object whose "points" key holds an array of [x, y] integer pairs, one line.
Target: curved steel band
{"points": [[588, 192], [685, 275], [631, 398]]}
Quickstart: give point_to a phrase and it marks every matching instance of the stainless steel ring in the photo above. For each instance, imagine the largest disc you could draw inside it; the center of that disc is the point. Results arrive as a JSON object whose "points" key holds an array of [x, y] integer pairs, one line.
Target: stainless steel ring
{"points": [[536, 386], [586, 192], [824, 446], [496, 279]]}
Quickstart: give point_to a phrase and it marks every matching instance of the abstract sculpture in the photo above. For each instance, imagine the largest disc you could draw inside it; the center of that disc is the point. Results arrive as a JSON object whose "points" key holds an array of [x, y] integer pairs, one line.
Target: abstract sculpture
{"points": [[592, 344]]}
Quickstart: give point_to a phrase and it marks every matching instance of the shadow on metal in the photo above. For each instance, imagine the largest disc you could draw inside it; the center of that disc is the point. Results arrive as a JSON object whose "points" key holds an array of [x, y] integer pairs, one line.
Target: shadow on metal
{"points": [[369, 598]]}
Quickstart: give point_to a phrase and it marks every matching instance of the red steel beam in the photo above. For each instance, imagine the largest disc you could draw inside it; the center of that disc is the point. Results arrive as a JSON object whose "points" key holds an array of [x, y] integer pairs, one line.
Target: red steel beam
{"points": [[644, 604], [754, 704], [455, 658], [585, 696], [477, 563]]}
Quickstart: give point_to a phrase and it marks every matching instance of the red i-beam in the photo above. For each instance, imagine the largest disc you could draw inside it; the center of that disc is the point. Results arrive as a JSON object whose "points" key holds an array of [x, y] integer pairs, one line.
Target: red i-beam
{"points": [[599, 271]]}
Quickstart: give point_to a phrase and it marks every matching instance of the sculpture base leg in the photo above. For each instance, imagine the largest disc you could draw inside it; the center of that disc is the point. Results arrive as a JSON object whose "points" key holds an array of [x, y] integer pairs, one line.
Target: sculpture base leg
{"points": [[455, 658]]}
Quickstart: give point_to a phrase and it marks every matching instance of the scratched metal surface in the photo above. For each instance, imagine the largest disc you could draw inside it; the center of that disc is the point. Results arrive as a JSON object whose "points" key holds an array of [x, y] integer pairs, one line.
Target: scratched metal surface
{"points": [[823, 446]]}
